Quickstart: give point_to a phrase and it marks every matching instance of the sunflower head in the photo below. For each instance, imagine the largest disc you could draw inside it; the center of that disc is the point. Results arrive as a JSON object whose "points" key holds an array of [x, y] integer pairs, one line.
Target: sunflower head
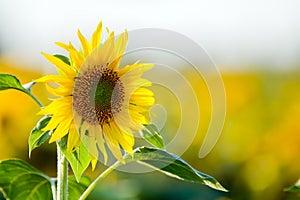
{"points": [[98, 102]]}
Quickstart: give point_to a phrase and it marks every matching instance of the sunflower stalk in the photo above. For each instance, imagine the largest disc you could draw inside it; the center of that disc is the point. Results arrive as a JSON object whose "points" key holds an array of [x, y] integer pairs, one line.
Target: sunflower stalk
{"points": [[62, 175]]}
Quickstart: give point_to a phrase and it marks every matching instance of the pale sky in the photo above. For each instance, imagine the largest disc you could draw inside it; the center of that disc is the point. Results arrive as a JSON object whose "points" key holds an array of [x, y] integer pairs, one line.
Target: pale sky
{"points": [[235, 33]]}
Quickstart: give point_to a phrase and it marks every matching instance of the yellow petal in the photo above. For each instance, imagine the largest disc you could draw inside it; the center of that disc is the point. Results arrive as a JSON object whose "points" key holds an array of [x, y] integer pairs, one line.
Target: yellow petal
{"points": [[143, 92], [63, 45], [61, 130], [53, 123], [124, 120], [100, 141], [106, 52], [121, 43], [76, 58], [115, 64], [138, 118], [73, 138], [138, 108], [125, 139], [112, 144], [65, 68], [142, 83], [96, 38], [142, 100], [94, 162], [56, 79], [119, 49], [59, 91], [57, 106], [137, 69], [85, 44], [93, 151]]}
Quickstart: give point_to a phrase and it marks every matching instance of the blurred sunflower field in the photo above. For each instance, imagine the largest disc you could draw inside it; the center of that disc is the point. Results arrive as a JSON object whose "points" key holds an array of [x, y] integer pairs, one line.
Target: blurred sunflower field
{"points": [[256, 157]]}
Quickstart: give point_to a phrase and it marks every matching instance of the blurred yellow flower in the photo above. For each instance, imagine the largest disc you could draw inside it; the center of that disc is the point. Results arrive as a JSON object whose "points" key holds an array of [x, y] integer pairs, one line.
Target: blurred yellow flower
{"points": [[95, 98]]}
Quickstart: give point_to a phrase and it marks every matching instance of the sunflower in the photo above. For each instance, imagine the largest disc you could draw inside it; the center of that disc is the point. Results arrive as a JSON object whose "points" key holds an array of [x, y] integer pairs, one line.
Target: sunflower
{"points": [[97, 102]]}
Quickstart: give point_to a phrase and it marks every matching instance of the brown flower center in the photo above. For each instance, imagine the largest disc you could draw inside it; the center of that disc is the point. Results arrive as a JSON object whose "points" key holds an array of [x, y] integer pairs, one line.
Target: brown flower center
{"points": [[98, 94]]}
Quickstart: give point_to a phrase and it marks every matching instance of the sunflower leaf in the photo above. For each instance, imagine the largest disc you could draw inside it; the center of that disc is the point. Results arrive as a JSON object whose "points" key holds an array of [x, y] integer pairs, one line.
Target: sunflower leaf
{"points": [[38, 136], [79, 158], [293, 188], [76, 189], [8, 81], [151, 135], [172, 165], [19, 180]]}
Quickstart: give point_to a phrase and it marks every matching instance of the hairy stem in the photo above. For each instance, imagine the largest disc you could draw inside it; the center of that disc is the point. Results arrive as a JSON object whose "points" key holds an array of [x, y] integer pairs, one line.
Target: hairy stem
{"points": [[62, 175]]}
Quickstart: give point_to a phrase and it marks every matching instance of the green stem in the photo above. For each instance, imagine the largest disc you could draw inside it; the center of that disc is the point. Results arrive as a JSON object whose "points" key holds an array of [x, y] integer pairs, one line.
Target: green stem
{"points": [[98, 179], [27, 90], [35, 99], [53, 188], [62, 175]]}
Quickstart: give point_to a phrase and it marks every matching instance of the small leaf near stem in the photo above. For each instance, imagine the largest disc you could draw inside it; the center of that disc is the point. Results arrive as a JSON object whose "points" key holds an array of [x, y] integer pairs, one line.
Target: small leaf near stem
{"points": [[37, 136], [79, 158]]}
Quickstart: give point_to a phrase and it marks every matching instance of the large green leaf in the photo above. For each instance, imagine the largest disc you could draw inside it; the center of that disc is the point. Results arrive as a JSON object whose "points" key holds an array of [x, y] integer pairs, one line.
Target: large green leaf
{"points": [[79, 158], [76, 189], [37, 136], [8, 81], [294, 188], [172, 165], [19, 180], [151, 134]]}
